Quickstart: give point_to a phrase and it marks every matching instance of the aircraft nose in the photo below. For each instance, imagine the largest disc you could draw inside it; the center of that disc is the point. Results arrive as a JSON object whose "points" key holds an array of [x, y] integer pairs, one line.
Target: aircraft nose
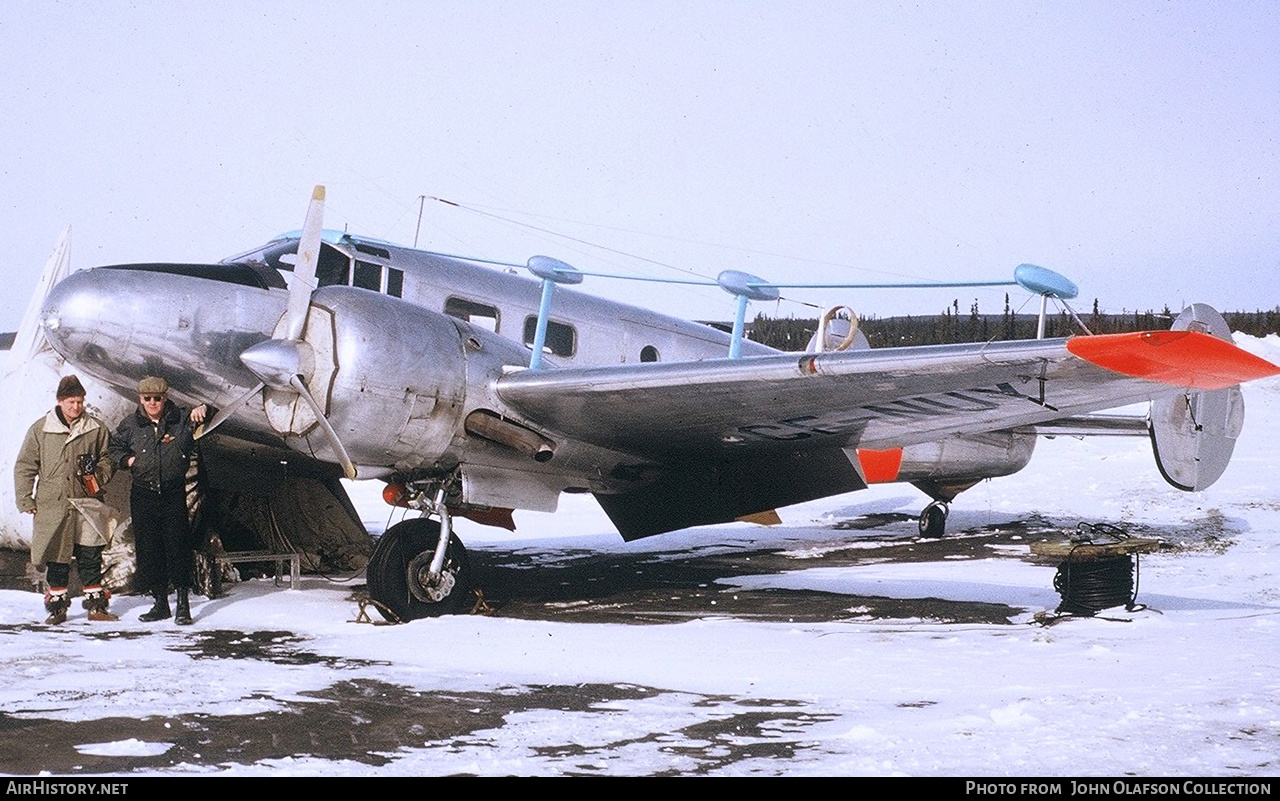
{"points": [[183, 322], [77, 312]]}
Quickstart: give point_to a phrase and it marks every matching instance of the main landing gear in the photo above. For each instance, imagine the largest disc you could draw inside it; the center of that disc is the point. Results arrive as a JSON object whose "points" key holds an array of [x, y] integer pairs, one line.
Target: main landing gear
{"points": [[414, 572], [933, 520]]}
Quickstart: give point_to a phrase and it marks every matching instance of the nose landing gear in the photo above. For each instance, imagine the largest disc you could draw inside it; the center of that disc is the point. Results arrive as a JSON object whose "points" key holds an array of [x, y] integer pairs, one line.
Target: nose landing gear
{"points": [[933, 519]]}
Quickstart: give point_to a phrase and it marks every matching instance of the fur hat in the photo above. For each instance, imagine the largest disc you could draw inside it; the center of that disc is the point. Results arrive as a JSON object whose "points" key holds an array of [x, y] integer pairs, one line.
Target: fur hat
{"points": [[70, 387], [152, 386]]}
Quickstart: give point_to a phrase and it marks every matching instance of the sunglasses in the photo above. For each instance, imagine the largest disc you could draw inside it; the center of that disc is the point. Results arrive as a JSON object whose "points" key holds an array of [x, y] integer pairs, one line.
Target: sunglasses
{"points": [[152, 398]]}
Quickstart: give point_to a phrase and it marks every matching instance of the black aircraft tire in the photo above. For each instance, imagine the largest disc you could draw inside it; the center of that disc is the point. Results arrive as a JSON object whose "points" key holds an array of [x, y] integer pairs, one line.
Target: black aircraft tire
{"points": [[388, 571], [933, 521]]}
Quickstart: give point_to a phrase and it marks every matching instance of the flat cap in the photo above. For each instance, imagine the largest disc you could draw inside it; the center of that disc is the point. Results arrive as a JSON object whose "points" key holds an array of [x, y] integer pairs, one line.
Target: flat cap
{"points": [[152, 386]]}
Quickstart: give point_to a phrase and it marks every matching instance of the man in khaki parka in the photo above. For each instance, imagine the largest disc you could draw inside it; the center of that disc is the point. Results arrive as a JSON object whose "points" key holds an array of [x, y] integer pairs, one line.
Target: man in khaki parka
{"points": [[64, 456]]}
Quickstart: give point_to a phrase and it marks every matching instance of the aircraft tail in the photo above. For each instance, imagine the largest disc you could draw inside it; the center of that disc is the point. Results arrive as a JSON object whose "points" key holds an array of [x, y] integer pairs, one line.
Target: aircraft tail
{"points": [[1194, 434], [29, 372], [29, 339]]}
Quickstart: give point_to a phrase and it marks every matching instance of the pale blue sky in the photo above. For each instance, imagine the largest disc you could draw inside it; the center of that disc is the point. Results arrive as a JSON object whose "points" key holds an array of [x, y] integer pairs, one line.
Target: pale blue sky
{"points": [[1130, 145]]}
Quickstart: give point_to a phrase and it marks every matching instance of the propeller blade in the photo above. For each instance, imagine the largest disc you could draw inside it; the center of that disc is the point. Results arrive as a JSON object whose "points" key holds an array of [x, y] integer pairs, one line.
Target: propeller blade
{"points": [[304, 271], [225, 413], [348, 466], [280, 363]]}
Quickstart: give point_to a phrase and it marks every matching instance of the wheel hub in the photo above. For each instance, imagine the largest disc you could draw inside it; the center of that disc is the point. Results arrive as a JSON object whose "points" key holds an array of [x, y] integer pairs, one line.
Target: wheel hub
{"points": [[426, 587]]}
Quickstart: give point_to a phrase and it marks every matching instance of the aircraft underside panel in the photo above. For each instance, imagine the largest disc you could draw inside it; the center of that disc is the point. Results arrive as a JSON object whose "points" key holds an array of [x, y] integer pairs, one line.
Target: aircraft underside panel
{"points": [[486, 485], [264, 498], [968, 458], [721, 491]]}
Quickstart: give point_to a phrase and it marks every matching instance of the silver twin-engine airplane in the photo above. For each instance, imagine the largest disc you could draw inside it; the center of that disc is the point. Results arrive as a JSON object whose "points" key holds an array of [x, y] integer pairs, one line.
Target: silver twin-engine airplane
{"points": [[473, 392]]}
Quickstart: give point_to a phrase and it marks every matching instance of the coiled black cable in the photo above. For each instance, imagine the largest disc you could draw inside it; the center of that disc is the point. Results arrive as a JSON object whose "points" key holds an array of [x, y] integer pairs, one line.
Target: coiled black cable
{"points": [[1089, 585]]}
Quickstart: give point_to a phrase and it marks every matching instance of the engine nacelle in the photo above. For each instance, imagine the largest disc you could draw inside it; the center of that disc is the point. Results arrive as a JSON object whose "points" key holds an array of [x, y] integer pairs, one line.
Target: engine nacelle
{"points": [[401, 376], [947, 467]]}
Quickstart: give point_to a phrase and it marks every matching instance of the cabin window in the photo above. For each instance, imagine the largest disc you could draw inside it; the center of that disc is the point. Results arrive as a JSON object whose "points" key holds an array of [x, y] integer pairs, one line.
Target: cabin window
{"points": [[478, 314], [395, 282], [648, 354], [562, 339]]}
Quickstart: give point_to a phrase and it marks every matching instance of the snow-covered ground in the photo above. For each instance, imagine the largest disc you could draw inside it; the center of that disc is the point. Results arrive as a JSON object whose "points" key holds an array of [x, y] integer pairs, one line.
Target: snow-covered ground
{"points": [[270, 681]]}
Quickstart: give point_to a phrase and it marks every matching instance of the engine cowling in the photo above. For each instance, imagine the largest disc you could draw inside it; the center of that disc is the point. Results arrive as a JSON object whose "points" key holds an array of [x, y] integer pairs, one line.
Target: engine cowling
{"points": [[947, 467], [401, 376]]}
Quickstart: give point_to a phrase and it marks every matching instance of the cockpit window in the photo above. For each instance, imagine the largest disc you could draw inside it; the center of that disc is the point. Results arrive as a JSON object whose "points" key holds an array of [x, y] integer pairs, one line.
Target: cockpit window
{"points": [[334, 268], [368, 276], [282, 254], [395, 282], [268, 255]]}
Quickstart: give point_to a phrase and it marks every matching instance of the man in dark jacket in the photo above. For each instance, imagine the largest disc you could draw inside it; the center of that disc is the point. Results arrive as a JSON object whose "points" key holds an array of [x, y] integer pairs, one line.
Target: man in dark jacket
{"points": [[155, 444]]}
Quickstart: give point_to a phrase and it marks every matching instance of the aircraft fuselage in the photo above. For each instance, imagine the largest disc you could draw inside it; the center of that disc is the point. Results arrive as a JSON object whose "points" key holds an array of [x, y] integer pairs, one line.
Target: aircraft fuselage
{"points": [[402, 347]]}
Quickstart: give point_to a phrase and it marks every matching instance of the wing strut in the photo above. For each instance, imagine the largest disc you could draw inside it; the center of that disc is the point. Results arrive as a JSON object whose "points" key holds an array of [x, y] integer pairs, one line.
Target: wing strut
{"points": [[1047, 284], [552, 272], [745, 287]]}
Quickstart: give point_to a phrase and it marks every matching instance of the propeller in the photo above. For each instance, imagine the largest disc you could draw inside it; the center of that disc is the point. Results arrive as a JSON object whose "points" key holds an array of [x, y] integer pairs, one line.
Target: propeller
{"points": [[284, 363]]}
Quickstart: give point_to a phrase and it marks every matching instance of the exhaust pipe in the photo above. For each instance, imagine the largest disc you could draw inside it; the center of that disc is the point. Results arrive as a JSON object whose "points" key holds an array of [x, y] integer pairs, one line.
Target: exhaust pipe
{"points": [[488, 425]]}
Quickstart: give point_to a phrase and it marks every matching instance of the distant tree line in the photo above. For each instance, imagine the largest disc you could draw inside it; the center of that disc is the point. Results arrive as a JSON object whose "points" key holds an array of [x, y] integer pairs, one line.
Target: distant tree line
{"points": [[793, 333]]}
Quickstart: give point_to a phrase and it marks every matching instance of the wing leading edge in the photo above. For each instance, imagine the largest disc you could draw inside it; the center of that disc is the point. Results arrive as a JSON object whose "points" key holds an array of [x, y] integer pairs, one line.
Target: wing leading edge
{"points": [[871, 398]]}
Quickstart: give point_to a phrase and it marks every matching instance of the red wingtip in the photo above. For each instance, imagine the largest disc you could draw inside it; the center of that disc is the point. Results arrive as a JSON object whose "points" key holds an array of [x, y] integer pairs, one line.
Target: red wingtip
{"points": [[1181, 358]]}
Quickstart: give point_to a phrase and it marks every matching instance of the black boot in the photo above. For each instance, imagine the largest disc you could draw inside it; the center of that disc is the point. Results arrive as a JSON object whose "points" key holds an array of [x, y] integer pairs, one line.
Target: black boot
{"points": [[159, 610], [183, 615]]}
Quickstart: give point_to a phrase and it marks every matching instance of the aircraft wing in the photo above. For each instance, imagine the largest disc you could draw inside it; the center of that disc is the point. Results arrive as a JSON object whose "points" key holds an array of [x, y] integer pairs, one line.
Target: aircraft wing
{"points": [[870, 398], [732, 437]]}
